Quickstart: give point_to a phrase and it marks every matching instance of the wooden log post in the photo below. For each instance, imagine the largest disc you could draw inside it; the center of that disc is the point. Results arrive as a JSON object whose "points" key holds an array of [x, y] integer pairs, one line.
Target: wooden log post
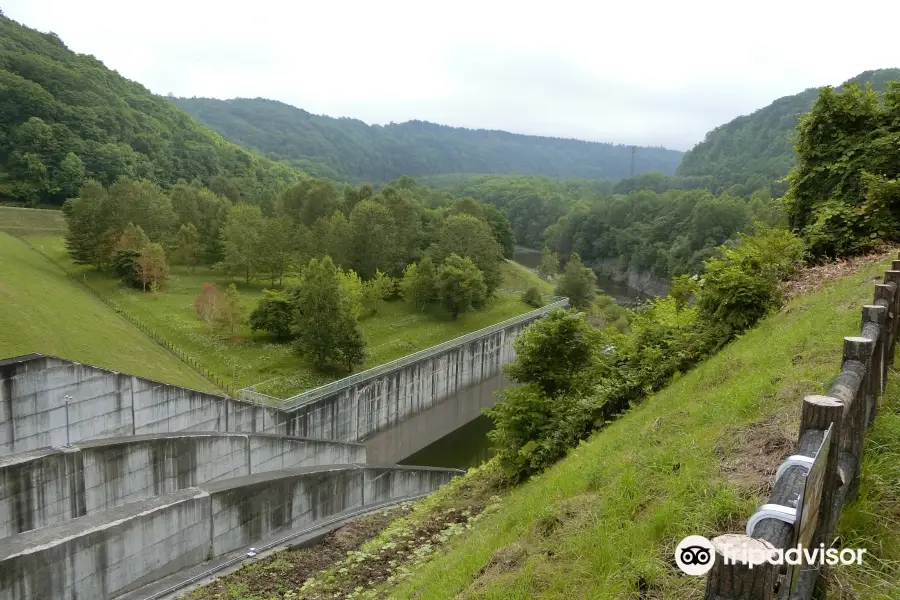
{"points": [[738, 573], [893, 277], [885, 296], [857, 355], [820, 412], [873, 323]]}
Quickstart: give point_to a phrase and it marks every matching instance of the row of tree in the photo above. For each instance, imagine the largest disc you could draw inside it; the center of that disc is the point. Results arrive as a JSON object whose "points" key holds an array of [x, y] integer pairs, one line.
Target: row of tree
{"points": [[358, 229]]}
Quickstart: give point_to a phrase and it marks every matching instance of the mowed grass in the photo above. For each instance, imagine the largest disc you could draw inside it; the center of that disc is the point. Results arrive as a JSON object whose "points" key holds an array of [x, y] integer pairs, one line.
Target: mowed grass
{"points": [[41, 310], [28, 222], [692, 459], [249, 358]]}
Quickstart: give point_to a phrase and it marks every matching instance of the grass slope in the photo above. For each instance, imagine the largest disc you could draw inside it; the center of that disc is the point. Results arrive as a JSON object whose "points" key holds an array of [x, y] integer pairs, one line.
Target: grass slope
{"points": [[696, 458], [44, 311], [275, 368], [25, 222]]}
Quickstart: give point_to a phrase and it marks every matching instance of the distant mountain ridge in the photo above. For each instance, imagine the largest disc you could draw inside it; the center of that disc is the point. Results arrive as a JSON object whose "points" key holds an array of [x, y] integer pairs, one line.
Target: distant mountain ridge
{"points": [[752, 151], [349, 149]]}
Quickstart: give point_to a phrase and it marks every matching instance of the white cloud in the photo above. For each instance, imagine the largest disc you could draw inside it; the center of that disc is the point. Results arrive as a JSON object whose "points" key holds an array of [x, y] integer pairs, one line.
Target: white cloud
{"points": [[647, 72]]}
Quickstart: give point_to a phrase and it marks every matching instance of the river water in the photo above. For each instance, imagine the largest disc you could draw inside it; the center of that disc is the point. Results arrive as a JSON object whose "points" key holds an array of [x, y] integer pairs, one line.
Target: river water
{"points": [[621, 293], [469, 446]]}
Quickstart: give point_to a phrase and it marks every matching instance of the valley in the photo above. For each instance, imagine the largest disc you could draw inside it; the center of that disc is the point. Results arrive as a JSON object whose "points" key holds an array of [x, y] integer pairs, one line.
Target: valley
{"points": [[581, 352]]}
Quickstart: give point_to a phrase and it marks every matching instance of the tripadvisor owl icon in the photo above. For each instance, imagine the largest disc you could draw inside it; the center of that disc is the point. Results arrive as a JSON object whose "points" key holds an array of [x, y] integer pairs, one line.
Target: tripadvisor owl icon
{"points": [[694, 555]]}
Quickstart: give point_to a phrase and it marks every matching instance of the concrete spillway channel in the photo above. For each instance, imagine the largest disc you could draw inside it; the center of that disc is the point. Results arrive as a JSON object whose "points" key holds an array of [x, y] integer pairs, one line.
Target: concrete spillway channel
{"points": [[117, 550]]}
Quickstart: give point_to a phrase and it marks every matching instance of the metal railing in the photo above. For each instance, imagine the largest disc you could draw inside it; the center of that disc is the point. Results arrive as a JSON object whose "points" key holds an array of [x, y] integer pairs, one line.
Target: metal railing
{"points": [[304, 398]]}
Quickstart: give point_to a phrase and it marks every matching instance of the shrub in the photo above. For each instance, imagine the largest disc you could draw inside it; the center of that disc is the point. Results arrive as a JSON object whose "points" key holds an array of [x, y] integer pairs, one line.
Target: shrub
{"points": [[741, 285], [533, 297], [274, 314]]}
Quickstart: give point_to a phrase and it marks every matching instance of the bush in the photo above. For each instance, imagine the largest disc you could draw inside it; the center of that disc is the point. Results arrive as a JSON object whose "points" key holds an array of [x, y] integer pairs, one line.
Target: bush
{"points": [[741, 285], [533, 297], [274, 313]]}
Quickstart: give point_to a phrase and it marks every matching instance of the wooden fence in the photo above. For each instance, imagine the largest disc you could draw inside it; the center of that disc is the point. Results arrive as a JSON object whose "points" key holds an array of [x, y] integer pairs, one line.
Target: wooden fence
{"points": [[812, 486]]}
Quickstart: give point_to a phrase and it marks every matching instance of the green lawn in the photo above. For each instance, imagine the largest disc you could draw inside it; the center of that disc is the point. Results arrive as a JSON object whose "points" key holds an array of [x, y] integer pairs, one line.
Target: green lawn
{"points": [[25, 222], [44, 311], [275, 368], [696, 458]]}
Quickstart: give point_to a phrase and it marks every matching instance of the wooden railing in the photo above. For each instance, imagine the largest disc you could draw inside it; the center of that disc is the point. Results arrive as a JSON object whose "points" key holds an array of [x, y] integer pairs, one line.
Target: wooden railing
{"points": [[813, 484]]}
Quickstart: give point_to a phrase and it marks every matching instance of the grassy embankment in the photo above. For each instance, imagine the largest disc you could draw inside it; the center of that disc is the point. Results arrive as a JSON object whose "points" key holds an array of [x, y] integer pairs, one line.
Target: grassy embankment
{"points": [[275, 368], [696, 458], [45, 311]]}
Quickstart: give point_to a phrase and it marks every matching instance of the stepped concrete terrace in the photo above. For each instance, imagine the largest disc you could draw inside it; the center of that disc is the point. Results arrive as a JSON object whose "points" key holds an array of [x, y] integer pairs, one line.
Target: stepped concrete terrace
{"points": [[43, 487], [111, 552]]}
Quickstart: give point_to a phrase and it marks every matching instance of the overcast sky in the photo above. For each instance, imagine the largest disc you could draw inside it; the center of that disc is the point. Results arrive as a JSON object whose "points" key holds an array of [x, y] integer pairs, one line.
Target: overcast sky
{"points": [[631, 71]]}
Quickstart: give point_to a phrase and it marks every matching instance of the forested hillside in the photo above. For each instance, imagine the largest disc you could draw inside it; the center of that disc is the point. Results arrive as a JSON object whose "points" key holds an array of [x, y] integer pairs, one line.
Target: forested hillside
{"points": [[66, 118], [350, 150], [752, 151]]}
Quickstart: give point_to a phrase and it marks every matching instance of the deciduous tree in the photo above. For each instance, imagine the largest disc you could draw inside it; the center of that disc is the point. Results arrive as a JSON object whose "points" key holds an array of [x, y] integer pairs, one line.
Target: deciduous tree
{"points": [[208, 304], [461, 285], [578, 283], [241, 239]]}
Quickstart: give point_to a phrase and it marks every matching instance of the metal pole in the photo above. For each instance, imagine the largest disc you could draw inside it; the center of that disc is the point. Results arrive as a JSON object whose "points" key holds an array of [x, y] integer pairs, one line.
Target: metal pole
{"points": [[67, 398]]}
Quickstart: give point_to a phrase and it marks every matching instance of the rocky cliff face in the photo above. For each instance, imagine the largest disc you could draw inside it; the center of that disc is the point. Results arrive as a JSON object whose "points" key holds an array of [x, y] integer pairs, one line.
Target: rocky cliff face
{"points": [[644, 282]]}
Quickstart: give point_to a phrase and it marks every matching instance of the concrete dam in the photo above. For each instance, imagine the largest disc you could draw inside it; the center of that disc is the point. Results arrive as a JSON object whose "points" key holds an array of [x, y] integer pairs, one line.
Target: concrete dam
{"points": [[111, 482]]}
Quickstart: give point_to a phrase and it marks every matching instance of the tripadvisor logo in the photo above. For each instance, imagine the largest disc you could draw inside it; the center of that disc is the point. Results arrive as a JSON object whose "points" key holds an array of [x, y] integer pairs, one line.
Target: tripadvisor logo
{"points": [[695, 555]]}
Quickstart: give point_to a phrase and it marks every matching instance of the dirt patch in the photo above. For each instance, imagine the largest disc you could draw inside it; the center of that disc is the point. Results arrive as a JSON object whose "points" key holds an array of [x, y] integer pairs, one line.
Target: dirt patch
{"points": [[288, 570], [392, 562], [504, 560], [758, 450], [811, 279], [238, 340]]}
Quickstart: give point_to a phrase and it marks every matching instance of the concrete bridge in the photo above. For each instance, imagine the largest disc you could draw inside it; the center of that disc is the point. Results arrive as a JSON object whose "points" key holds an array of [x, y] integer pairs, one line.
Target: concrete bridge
{"points": [[109, 482]]}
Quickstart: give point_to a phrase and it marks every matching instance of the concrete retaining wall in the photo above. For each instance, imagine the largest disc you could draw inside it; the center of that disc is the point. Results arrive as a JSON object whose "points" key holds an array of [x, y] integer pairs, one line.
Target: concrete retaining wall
{"points": [[107, 404], [43, 487], [111, 552], [381, 401]]}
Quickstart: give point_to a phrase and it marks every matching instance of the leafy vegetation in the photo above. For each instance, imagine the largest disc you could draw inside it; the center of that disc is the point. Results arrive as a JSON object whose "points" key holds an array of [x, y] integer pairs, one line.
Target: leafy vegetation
{"points": [[350, 150], [45, 311], [844, 196], [575, 378], [755, 152], [66, 118]]}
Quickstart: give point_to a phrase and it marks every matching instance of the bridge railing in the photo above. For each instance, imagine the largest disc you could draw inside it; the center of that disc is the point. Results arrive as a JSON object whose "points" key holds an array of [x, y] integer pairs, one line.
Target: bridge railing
{"points": [[330, 388]]}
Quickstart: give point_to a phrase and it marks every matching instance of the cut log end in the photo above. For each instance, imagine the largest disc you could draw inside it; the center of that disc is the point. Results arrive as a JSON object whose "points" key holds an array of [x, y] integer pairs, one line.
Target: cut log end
{"points": [[741, 570]]}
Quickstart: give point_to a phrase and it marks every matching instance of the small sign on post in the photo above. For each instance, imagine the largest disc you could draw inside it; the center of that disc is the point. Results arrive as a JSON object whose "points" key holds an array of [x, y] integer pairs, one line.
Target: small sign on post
{"points": [[809, 505]]}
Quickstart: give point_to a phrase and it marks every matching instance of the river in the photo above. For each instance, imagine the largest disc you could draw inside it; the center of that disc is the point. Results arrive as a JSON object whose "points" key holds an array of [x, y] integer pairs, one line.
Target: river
{"points": [[621, 293]]}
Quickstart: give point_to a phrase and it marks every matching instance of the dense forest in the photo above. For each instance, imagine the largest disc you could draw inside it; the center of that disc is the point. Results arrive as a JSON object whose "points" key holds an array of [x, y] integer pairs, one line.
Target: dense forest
{"points": [[350, 150], [66, 118], [754, 151]]}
